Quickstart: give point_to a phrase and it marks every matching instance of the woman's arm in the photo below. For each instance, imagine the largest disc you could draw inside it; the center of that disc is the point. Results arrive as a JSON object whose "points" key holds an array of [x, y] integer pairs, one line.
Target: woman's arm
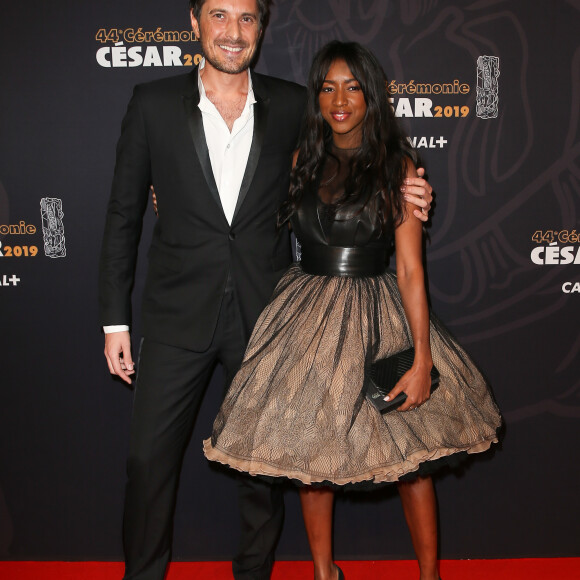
{"points": [[416, 383]]}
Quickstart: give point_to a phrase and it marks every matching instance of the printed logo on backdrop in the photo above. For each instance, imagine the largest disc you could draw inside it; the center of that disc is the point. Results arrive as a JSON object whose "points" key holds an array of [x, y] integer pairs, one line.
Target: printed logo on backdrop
{"points": [[487, 87], [557, 248], [17, 246], [15, 236], [429, 100], [132, 47], [19, 239], [9, 280], [52, 227]]}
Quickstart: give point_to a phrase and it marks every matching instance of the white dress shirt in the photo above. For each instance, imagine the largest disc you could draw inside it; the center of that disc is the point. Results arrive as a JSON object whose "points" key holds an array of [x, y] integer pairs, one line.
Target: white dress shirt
{"points": [[228, 152]]}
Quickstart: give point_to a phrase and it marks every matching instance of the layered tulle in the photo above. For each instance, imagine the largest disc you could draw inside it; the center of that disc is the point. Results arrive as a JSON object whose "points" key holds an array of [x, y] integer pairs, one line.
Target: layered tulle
{"points": [[296, 408]]}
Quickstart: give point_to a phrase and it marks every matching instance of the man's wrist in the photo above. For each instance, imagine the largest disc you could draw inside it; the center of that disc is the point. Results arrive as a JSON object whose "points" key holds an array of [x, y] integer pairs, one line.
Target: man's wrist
{"points": [[115, 328]]}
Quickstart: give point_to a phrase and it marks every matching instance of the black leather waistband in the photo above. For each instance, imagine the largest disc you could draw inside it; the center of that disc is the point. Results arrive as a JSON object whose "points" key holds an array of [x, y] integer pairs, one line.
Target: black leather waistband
{"points": [[335, 261]]}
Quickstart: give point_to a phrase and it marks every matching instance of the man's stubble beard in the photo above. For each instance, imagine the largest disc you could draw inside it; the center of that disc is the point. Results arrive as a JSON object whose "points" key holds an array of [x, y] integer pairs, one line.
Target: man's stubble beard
{"points": [[232, 70]]}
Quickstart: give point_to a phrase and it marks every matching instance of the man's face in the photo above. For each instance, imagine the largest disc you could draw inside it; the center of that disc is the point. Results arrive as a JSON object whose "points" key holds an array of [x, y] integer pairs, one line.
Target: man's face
{"points": [[229, 31]]}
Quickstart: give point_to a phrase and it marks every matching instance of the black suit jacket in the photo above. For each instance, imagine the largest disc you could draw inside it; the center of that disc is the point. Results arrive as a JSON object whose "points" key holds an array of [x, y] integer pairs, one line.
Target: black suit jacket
{"points": [[193, 247]]}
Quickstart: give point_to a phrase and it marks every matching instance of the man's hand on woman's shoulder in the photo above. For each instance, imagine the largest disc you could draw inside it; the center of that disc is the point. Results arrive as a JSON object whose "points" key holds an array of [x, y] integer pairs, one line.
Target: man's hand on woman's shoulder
{"points": [[418, 191]]}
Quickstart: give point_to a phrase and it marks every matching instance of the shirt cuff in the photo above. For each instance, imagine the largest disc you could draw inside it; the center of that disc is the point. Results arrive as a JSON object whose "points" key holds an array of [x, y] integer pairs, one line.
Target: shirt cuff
{"points": [[115, 328]]}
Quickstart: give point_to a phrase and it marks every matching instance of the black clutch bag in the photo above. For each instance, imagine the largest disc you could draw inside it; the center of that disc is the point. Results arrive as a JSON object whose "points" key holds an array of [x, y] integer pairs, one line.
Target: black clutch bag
{"points": [[384, 374]]}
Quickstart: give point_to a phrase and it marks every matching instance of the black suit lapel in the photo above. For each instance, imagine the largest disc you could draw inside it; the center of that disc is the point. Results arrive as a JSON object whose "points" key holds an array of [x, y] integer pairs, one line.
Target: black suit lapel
{"points": [[261, 107], [195, 122]]}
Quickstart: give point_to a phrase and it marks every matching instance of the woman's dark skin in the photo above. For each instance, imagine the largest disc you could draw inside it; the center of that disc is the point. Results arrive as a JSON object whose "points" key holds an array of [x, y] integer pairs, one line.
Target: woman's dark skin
{"points": [[343, 107]]}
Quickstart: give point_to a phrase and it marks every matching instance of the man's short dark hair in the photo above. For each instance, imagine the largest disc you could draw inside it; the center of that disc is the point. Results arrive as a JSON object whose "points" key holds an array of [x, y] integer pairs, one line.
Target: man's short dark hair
{"points": [[263, 10]]}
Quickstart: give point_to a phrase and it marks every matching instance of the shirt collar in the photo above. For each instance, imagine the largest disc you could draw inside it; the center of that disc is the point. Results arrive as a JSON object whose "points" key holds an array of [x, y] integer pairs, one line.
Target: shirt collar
{"points": [[206, 105]]}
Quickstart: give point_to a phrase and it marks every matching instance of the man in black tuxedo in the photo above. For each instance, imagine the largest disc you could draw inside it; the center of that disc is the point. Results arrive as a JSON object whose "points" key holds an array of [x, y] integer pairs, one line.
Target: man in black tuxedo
{"points": [[217, 145]]}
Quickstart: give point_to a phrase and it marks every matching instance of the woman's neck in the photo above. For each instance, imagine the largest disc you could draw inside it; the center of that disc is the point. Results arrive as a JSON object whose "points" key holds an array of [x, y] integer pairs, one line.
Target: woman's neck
{"points": [[335, 146]]}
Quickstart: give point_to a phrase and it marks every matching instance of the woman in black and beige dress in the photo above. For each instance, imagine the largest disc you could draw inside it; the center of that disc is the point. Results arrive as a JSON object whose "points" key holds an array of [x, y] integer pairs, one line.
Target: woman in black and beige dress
{"points": [[296, 409]]}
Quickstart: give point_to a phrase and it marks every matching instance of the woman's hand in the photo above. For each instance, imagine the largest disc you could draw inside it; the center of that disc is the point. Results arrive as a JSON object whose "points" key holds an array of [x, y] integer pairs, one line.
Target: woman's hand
{"points": [[416, 384]]}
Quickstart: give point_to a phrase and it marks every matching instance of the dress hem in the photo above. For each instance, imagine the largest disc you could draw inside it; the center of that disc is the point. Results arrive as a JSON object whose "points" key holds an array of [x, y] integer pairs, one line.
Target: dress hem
{"points": [[381, 474]]}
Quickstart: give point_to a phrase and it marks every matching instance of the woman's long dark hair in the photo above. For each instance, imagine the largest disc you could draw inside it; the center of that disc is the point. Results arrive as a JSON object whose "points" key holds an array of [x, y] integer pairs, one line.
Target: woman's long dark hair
{"points": [[379, 165]]}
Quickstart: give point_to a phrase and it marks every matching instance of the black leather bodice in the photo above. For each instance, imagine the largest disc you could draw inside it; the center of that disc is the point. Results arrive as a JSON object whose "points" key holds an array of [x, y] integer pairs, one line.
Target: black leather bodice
{"points": [[345, 240]]}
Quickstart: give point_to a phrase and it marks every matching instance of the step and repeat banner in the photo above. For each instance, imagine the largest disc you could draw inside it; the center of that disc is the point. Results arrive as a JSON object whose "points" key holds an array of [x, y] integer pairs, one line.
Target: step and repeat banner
{"points": [[489, 92]]}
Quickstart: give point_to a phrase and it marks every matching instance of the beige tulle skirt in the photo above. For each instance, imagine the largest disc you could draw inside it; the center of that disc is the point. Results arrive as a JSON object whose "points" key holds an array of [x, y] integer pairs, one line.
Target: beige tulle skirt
{"points": [[296, 409]]}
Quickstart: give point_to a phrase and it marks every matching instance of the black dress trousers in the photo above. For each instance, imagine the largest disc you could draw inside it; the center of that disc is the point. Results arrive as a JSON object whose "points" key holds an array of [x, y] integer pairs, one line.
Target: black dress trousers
{"points": [[169, 389]]}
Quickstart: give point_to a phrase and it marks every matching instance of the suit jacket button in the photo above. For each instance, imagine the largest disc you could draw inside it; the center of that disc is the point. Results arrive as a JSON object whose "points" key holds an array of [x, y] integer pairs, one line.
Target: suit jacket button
{"points": [[232, 236]]}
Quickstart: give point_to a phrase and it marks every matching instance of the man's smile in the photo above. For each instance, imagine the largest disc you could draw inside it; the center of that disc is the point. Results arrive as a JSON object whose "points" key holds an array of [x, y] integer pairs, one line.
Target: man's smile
{"points": [[233, 49]]}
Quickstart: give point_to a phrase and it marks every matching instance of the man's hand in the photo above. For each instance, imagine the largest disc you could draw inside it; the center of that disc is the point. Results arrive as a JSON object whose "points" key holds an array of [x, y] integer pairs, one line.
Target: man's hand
{"points": [[154, 199], [418, 191], [118, 354]]}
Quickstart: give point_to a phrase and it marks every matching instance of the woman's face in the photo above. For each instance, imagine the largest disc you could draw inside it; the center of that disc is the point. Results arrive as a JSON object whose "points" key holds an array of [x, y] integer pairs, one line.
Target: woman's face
{"points": [[343, 105]]}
